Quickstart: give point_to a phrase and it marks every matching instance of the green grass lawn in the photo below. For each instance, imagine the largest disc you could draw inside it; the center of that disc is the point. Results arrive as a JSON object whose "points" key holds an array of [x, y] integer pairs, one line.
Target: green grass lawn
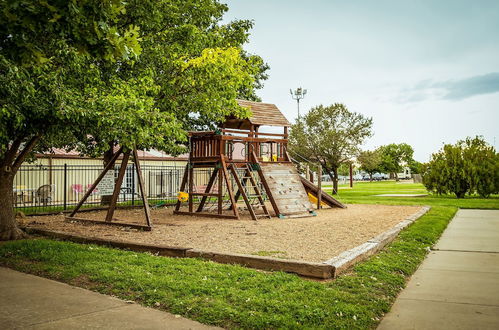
{"points": [[238, 297]]}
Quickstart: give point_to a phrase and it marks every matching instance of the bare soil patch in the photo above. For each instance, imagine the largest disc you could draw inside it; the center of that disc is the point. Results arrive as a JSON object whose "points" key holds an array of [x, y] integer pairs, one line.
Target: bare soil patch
{"points": [[315, 239]]}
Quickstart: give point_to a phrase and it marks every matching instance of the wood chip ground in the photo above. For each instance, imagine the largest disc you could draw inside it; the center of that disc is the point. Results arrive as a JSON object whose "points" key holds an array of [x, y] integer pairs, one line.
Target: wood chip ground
{"points": [[315, 239]]}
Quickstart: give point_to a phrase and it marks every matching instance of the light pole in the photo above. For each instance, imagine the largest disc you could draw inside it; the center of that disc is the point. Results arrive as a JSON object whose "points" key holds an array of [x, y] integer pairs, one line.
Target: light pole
{"points": [[297, 95]]}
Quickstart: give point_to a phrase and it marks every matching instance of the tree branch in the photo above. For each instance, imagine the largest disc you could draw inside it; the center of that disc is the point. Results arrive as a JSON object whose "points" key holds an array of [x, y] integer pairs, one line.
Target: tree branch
{"points": [[11, 153], [27, 149]]}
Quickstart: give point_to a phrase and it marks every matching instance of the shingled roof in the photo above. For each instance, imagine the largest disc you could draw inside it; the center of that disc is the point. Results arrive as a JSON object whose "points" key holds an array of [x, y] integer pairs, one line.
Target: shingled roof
{"points": [[263, 114]]}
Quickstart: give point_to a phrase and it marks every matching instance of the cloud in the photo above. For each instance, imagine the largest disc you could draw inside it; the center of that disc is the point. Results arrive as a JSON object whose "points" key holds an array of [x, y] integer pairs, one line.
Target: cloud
{"points": [[453, 90]]}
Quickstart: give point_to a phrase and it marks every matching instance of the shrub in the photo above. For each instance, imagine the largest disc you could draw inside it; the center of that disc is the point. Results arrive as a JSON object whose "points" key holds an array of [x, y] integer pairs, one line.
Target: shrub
{"points": [[470, 166]]}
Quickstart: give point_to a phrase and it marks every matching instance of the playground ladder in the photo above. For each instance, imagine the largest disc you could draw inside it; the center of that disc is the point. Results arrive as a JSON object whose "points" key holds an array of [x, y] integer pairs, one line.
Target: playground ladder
{"points": [[252, 200]]}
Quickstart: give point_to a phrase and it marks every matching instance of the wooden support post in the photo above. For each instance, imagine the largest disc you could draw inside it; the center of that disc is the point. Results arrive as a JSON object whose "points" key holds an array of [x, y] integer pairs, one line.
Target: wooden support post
{"points": [[220, 190], [351, 175], [238, 192], [99, 178], [319, 186], [243, 193], [257, 190], [117, 187], [229, 187], [208, 188], [191, 187], [182, 186], [266, 185], [147, 211]]}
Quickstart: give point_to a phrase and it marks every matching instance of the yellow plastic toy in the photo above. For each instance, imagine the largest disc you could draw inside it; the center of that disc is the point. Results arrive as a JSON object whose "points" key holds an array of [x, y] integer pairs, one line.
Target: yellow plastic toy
{"points": [[182, 196]]}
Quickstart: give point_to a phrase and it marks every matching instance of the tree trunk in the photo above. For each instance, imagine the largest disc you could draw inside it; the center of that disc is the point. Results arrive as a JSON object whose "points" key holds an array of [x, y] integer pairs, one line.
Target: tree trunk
{"points": [[8, 224], [335, 180], [331, 175], [371, 177]]}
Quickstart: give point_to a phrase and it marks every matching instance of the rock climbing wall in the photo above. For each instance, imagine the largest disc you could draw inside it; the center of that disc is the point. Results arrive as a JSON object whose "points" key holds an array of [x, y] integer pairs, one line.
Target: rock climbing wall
{"points": [[287, 189]]}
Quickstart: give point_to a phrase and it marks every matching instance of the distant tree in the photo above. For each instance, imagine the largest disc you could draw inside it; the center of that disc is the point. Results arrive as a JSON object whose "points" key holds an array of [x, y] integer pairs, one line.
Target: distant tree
{"points": [[394, 157], [370, 162], [415, 166], [330, 135], [470, 166]]}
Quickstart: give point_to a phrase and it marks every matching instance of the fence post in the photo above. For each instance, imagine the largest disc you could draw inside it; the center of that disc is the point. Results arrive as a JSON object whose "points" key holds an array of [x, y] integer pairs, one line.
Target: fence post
{"points": [[65, 189], [133, 184]]}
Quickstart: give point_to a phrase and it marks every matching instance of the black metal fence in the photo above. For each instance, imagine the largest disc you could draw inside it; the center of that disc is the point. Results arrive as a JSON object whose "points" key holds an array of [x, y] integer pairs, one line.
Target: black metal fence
{"points": [[42, 188]]}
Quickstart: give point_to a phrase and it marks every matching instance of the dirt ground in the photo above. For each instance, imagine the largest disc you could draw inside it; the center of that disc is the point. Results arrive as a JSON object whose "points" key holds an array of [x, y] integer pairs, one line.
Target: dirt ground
{"points": [[317, 238]]}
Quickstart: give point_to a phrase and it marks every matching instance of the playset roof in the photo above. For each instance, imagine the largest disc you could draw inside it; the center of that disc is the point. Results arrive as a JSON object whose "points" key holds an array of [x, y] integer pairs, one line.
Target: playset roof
{"points": [[263, 114]]}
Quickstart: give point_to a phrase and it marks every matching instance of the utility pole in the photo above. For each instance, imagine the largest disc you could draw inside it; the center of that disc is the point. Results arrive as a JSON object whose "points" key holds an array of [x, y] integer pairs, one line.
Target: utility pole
{"points": [[297, 95]]}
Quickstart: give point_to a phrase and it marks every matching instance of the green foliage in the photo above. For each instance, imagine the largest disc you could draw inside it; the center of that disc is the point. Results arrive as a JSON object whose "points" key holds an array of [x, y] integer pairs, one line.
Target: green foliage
{"points": [[330, 135], [415, 166], [136, 74], [470, 166], [88, 75], [394, 156], [370, 161]]}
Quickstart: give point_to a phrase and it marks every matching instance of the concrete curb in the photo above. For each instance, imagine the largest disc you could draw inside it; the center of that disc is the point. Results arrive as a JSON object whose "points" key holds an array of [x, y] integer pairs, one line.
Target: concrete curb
{"points": [[348, 258]]}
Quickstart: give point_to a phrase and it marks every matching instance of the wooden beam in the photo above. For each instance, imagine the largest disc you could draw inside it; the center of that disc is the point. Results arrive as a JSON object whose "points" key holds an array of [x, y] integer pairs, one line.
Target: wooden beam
{"points": [[205, 194], [117, 187], [191, 187], [205, 214], [208, 188], [121, 224], [182, 186], [319, 187], [229, 188], [266, 186], [257, 190], [147, 211], [243, 193], [96, 182]]}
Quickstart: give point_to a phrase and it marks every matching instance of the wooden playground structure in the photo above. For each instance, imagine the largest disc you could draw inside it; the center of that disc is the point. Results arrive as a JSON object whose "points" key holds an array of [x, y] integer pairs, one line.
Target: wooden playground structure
{"points": [[247, 163], [243, 163]]}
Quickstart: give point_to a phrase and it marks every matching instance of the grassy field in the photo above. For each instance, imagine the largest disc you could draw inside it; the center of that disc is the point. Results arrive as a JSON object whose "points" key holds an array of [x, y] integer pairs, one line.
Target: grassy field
{"points": [[233, 296]]}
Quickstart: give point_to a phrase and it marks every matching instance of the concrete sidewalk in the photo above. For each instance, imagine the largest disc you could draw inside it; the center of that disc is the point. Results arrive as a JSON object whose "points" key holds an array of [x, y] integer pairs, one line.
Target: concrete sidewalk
{"points": [[457, 286], [32, 302]]}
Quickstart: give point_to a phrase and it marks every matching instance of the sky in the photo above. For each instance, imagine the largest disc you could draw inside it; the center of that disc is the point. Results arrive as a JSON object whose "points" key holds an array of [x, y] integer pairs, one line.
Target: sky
{"points": [[426, 71]]}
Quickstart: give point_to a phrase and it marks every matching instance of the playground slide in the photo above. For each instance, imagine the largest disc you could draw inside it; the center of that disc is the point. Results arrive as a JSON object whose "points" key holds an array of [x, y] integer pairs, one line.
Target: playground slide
{"points": [[325, 197]]}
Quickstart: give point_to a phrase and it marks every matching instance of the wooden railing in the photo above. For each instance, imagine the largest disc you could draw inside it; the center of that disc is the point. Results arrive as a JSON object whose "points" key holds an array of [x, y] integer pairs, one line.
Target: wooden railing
{"points": [[210, 145]]}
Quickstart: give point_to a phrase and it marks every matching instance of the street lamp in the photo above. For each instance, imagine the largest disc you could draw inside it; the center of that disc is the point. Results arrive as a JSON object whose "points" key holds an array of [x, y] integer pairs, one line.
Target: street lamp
{"points": [[297, 95]]}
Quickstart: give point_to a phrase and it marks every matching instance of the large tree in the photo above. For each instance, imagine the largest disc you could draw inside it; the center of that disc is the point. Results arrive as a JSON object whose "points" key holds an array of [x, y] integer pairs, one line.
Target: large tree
{"points": [[370, 161], [394, 157], [95, 74], [330, 135], [45, 49]]}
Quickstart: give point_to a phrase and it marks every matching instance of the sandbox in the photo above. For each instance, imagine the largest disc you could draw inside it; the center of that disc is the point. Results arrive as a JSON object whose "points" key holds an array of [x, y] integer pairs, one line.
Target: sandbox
{"points": [[312, 239]]}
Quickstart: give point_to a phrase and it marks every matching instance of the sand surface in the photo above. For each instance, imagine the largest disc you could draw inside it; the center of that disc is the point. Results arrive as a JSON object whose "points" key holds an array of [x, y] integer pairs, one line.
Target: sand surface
{"points": [[317, 238]]}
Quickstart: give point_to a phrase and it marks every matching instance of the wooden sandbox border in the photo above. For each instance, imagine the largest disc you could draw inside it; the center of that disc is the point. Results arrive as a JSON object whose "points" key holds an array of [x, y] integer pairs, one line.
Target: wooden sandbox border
{"points": [[325, 270], [350, 257]]}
